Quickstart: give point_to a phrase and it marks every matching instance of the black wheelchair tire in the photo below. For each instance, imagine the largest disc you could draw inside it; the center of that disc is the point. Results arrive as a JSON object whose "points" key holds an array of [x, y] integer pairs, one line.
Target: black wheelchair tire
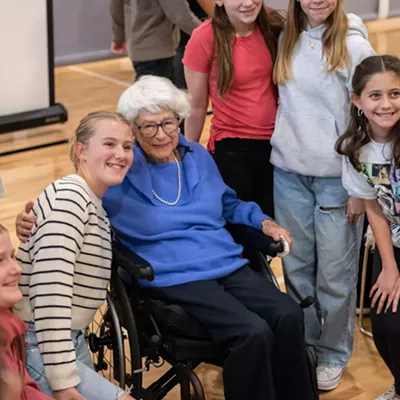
{"points": [[120, 343], [129, 323], [114, 362], [312, 369]]}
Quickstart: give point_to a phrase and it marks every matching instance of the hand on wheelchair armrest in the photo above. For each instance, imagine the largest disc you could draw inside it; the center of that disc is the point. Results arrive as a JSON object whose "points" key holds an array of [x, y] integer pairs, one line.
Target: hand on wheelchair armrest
{"points": [[131, 262], [250, 237]]}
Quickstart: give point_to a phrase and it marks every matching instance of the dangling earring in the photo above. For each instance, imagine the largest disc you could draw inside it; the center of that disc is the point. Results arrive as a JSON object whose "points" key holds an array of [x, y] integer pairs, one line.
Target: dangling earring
{"points": [[360, 112]]}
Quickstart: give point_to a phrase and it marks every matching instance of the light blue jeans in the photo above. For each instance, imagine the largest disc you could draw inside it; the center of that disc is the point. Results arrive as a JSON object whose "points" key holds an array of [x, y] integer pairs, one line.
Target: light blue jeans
{"points": [[92, 386], [323, 262]]}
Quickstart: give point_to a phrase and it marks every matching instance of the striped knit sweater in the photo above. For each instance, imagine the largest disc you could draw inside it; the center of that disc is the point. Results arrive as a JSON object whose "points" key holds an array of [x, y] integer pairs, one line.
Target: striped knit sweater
{"points": [[66, 271]]}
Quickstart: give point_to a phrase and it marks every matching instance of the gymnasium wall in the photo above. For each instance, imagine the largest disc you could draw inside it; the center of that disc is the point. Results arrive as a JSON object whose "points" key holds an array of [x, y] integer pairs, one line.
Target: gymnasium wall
{"points": [[83, 28]]}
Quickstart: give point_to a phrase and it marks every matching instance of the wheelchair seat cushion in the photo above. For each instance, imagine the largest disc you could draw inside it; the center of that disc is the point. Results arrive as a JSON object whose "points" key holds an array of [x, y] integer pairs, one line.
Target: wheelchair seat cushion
{"points": [[172, 318], [185, 338]]}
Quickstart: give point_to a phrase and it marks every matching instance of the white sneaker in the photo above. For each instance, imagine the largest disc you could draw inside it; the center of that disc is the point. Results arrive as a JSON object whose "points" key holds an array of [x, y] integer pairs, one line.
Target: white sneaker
{"points": [[329, 377], [389, 395]]}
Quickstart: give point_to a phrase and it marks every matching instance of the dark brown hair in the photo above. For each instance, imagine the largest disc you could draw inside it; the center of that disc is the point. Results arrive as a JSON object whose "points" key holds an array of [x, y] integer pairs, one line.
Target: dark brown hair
{"points": [[357, 135], [270, 23]]}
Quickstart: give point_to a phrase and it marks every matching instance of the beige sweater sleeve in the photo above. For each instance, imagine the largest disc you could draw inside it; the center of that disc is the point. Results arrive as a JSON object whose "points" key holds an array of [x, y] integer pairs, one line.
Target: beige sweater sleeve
{"points": [[54, 247], [118, 24], [179, 13]]}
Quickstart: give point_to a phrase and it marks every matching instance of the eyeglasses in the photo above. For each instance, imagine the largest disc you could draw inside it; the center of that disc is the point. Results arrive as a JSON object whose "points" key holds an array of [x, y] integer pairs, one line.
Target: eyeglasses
{"points": [[150, 129]]}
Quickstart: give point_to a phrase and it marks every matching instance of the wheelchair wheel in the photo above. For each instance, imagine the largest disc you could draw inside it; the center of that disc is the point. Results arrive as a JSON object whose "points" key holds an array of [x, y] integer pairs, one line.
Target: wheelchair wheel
{"points": [[259, 263], [133, 357], [105, 337]]}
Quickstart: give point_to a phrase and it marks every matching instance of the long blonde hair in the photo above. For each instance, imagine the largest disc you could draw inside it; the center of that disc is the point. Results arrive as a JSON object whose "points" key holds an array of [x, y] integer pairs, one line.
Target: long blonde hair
{"points": [[335, 48], [270, 23]]}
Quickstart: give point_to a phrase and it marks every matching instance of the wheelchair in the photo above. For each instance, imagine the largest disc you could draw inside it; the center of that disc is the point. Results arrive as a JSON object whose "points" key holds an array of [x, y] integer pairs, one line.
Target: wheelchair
{"points": [[136, 332]]}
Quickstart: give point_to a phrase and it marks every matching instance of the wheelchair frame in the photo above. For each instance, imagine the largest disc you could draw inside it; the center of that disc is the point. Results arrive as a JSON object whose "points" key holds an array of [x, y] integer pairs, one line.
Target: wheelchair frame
{"points": [[134, 311]]}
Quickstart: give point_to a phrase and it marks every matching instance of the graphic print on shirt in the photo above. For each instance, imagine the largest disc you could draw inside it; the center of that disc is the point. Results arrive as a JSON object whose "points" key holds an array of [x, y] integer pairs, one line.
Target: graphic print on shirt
{"points": [[385, 178]]}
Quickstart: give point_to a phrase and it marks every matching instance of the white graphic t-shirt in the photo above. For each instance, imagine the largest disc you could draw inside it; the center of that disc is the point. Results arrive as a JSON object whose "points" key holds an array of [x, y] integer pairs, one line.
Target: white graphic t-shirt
{"points": [[379, 179]]}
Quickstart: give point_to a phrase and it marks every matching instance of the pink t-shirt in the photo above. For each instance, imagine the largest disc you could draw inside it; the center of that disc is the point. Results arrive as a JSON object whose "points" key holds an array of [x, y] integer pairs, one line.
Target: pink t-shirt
{"points": [[248, 108]]}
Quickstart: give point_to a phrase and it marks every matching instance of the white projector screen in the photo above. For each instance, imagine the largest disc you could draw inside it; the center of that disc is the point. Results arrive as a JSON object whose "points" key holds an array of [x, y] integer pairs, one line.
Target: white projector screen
{"points": [[24, 59]]}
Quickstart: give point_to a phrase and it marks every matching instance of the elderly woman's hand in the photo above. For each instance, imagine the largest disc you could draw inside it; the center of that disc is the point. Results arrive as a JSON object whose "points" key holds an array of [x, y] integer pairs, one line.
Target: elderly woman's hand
{"points": [[271, 228], [25, 222]]}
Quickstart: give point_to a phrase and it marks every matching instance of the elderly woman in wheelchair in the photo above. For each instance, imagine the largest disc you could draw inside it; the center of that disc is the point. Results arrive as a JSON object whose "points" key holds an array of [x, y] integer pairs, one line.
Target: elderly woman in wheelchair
{"points": [[172, 209]]}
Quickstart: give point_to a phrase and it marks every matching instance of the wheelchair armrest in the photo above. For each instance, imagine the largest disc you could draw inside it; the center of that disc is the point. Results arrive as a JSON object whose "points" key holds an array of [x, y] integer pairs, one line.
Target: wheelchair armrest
{"points": [[254, 239], [131, 262]]}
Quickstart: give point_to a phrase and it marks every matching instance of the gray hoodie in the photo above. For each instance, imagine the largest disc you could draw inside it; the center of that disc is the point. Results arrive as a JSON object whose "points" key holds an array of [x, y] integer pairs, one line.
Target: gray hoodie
{"points": [[314, 107]]}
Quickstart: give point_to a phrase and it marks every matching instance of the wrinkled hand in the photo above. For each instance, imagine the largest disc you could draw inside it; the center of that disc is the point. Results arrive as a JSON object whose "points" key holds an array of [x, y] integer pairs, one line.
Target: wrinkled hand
{"points": [[25, 222], [68, 394], [118, 47], [383, 290], [271, 228], [355, 208]]}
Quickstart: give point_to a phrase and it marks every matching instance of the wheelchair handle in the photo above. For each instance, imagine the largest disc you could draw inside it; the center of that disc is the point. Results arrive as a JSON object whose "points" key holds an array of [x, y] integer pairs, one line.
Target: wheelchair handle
{"points": [[277, 246], [307, 302], [131, 262], [146, 273]]}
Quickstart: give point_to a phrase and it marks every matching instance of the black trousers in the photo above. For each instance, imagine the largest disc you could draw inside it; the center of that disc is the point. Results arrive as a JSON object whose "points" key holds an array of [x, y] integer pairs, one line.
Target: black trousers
{"points": [[179, 73], [261, 328], [245, 167], [179, 76], [386, 328], [163, 67]]}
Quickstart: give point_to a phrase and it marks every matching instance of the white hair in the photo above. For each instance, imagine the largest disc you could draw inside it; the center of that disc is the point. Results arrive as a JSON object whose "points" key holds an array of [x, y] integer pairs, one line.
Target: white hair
{"points": [[153, 94]]}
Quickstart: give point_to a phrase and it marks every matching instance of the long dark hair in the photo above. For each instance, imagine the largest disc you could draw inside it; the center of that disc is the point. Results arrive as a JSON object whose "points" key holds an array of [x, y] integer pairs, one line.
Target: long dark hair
{"points": [[356, 135], [270, 23]]}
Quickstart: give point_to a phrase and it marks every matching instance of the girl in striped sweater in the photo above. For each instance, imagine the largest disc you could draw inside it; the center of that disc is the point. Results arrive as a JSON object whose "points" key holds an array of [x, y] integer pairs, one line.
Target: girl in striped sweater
{"points": [[66, 264]]}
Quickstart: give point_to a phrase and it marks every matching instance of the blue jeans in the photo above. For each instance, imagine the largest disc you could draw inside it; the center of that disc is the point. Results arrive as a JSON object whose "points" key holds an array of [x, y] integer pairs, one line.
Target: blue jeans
{"points": [[323, 262], [92, 386]]}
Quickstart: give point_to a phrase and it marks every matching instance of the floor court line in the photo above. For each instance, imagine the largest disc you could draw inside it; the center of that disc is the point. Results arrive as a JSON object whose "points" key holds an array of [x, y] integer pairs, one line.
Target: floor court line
{"points": [[100, 76]]}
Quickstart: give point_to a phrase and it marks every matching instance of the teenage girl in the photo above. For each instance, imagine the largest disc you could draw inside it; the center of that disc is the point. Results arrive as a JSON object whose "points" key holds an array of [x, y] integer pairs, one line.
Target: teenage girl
{"points": [[318, 52], [66, 262], [229, 59]]}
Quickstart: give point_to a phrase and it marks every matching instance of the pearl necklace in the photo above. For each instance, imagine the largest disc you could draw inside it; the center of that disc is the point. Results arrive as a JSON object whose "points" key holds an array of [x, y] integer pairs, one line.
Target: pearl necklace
{"points": [[178, 197]]}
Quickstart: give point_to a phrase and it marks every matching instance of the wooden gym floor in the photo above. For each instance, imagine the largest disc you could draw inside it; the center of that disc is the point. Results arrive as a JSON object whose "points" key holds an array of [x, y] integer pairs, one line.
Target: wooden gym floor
{"points": [[94, 86]]}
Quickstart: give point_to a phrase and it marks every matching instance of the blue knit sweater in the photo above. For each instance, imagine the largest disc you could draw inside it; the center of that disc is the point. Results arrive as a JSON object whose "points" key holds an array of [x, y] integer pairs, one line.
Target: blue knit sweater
{"points": [[186, 242]]}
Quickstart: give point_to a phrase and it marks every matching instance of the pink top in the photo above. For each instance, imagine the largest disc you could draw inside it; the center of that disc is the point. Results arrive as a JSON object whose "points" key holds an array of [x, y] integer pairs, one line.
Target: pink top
{"points": [[12, 355], [248, 108]]}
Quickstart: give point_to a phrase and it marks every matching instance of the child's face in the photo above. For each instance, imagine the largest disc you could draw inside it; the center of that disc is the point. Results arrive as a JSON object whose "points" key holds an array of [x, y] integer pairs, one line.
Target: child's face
{"points": [[108, 155], [241, 12], [10, 272], [380, 102], [318, 11]]}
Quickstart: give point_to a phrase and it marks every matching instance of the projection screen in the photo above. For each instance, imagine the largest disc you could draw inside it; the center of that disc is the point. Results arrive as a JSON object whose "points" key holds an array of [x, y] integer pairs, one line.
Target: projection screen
{"points": [[27, 66]]}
